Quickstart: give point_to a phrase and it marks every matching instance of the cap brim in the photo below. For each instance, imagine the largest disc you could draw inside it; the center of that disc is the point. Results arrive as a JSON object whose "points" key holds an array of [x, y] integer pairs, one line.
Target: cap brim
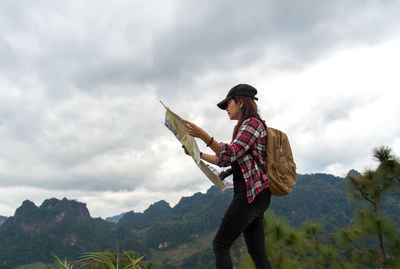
{"points": [[223, 104]]}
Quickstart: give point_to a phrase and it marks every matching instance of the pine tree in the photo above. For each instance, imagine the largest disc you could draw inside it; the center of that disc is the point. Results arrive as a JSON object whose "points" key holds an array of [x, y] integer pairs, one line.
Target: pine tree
{"points": [[282, 242], [372, 240], [290, 248]]}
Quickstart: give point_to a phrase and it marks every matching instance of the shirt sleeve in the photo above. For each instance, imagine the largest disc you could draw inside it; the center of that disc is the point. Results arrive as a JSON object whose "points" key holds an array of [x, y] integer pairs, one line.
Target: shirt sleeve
{"points": [[247, 135]]}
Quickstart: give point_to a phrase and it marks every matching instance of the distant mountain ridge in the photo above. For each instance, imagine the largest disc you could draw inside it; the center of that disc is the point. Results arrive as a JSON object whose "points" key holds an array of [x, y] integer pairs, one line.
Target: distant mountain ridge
{"points": [[116, 218], [66, 228], [154, 213], [2, 219]]}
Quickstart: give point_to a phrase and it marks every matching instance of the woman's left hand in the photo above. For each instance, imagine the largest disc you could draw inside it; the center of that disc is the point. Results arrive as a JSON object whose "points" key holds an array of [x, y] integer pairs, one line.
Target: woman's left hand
{"points": [[194, 130]]}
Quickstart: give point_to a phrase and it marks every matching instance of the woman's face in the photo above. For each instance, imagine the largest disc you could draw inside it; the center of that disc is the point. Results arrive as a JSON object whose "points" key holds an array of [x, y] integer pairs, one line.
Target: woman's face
{"points": [[233, 109]]}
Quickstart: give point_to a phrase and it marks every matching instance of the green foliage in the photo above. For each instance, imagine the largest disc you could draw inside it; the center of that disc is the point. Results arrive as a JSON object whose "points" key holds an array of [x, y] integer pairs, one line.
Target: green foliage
{"points": [[303, 248], [245, 262], [61, 264], [282, 241], [372, 239], [105, 260], [111, 260], [307, 249]]}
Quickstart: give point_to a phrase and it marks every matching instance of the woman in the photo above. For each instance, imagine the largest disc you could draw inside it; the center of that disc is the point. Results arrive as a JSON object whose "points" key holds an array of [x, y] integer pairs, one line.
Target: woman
{"points": [[246, 155]]}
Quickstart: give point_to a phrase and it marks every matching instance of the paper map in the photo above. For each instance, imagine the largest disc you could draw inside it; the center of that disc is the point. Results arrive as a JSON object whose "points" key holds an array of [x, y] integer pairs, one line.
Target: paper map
{"points": [[175, 124]]}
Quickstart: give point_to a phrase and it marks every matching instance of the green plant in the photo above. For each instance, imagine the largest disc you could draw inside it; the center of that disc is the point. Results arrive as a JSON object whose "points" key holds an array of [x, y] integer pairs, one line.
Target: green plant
{"points": [[373, 239], [113, 260], [104, 260], [62, 264]]}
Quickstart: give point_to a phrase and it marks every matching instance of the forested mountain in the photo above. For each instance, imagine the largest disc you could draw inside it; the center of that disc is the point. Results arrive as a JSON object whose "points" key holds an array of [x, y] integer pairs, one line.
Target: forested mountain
{"points": [[64, 227], [160, 226], [155, 212], [57, 226], [316, 197]]}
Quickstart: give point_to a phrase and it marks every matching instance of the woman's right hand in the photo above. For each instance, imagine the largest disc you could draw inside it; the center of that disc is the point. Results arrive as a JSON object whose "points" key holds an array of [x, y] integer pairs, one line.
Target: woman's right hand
{"points": [[194, 130]]}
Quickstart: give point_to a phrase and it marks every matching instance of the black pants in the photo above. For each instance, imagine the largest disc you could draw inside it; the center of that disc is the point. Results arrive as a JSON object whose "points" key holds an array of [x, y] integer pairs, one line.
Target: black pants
{"points": [[242, 217]]}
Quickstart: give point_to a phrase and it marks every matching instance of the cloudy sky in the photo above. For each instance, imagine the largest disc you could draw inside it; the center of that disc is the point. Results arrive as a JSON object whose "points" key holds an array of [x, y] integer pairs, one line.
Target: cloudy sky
{"points": [[80, 84]]}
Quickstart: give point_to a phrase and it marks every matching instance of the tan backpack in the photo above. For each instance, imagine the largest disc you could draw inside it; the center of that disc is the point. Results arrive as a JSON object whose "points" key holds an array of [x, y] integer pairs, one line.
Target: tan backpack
{"points": [[281, 168]]}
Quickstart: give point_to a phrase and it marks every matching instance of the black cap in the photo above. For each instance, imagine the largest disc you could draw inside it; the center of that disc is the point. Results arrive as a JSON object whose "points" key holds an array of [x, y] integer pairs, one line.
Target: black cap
{"points": [[238, 90]]}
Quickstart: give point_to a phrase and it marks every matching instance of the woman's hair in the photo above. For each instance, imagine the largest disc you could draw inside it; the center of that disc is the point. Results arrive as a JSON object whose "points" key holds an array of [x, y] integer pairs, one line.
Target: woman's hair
{"points": [[248, 110]]}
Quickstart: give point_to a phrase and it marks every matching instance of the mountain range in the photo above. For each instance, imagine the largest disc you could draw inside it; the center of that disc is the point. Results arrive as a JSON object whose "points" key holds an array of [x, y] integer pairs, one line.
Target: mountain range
{"points": [[65, 227]]}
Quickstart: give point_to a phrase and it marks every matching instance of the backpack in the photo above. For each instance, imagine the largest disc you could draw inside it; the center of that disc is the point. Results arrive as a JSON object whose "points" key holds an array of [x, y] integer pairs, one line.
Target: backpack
{"points": [[280, 168]]}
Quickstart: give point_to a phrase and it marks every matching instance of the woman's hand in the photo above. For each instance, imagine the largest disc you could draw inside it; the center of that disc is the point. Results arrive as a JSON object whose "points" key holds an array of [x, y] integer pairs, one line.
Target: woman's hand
{"points": [[194, 130]]}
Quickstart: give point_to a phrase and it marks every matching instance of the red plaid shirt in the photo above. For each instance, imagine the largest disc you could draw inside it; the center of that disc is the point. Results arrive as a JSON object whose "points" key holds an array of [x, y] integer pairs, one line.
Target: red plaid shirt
{"points": [[248, 148]]}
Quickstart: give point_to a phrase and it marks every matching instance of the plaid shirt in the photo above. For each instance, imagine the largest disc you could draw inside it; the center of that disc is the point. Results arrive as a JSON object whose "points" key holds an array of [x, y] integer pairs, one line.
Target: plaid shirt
{"points": [[248, 148]]}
